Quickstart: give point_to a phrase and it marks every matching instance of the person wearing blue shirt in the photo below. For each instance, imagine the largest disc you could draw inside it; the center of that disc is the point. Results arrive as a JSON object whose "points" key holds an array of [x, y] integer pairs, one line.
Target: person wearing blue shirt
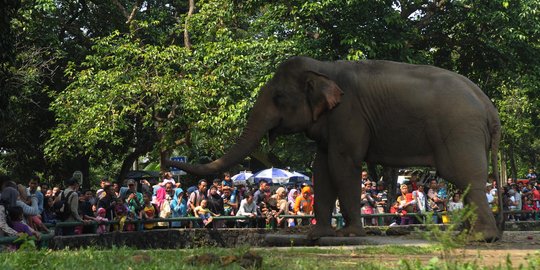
{"points": [[32, 190]]}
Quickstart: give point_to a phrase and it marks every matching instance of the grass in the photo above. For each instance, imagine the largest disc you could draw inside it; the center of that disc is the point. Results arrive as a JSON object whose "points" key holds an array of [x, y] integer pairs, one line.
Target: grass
{"points": [[376, 257], [126, 258]]}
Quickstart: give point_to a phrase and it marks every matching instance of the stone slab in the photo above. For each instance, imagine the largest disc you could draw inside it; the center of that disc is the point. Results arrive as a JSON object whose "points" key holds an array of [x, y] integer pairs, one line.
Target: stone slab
{"points": [[277, 240]]}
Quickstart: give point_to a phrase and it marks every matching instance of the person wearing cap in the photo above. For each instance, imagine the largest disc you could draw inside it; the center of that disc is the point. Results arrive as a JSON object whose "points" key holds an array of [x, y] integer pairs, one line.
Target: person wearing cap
{"points": [[134, 199], [489, 196], [101, 192], [167, 178]]}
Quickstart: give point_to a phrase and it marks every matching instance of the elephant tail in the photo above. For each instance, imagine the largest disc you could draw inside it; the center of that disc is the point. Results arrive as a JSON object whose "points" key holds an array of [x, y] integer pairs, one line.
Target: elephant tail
{"points": [[494, 146], [495, 130]]}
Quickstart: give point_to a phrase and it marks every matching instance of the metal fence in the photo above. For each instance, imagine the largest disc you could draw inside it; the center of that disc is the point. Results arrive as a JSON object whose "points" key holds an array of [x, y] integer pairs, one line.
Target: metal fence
{"points": [[381, 218]]}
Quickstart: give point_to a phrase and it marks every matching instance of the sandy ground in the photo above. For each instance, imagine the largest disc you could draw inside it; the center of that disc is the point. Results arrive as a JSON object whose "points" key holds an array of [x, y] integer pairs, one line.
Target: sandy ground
{"points": [[518, 246]]}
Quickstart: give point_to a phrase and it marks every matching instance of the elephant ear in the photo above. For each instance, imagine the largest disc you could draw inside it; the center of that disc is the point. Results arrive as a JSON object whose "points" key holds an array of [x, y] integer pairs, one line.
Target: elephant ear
{"points": [[323, 94]]}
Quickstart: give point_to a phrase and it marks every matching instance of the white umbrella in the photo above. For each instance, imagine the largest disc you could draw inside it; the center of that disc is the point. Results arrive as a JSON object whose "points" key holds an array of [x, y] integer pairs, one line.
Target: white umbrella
{"points": [[299, 176], [241, 178], [273, 175]]}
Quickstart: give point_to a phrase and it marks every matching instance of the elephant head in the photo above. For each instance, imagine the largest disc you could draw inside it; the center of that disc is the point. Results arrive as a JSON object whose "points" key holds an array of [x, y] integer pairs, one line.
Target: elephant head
{"points": [[293, 100]]}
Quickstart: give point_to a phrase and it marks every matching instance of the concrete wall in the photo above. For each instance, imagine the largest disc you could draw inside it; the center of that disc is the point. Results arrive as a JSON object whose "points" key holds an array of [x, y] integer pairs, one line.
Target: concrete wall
{"points": [[165, 238], [192, 238]]}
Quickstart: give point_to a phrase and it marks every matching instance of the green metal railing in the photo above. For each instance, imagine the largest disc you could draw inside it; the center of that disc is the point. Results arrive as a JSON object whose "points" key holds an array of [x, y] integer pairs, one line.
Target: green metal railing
{"points": [[169, 221]]}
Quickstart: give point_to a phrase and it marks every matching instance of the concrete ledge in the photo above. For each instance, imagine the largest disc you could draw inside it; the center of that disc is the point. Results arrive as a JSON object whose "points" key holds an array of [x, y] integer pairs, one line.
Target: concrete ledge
{"points": [[276, 240], [193, 238], [522, 226], [164, 239]]}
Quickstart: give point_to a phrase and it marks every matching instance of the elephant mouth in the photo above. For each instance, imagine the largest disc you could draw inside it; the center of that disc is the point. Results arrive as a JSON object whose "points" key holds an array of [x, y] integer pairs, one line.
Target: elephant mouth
{"points": [[272, 136]]}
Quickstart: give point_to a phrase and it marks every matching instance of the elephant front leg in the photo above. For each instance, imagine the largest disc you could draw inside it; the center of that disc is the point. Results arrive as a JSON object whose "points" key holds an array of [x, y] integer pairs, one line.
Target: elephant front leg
{"points": [[351, 210], [349, 189], [325, 198]]}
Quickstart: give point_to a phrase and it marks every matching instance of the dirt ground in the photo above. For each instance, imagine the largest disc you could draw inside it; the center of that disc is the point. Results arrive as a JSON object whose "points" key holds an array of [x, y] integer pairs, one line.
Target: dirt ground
{"points": [[518, 246]]}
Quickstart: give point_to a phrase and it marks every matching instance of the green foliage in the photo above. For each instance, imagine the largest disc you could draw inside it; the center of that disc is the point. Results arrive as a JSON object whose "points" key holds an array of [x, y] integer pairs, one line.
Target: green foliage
{"points": [[297, 258], [85, 85], [456, 234], [26, 242]]}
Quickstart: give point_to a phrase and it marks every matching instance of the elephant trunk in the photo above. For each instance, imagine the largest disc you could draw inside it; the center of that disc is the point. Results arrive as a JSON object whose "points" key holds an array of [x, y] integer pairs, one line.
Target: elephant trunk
{"points": [[259, 123]]}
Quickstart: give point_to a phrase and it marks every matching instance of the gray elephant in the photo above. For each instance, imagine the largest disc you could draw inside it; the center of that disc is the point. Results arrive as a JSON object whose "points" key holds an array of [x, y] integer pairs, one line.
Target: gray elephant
{"points": [[380, 112]]}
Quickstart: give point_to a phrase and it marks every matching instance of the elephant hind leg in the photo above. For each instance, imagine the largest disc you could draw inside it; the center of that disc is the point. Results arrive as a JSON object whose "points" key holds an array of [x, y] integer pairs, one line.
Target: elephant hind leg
{"points": [[466, 166]]}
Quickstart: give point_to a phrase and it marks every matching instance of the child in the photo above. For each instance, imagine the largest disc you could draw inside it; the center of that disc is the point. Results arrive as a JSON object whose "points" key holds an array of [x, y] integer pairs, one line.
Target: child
{"points": [[16, 215], [204, 213], [130, 226], [102, 228], [148, 211], [394, 209], [100, 218], [455, 203], [120, 214], [528, 205], [442, 194]]}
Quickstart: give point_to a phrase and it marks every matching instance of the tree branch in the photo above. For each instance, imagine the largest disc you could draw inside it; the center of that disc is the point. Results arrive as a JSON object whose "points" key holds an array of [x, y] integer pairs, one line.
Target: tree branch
{"points": [[134, 11], [121, 8], [187, 41]]}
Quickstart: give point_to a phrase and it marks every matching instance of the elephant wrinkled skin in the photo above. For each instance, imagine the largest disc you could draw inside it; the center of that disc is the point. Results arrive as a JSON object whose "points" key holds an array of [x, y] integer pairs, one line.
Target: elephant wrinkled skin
{"points": [[382, 112]]}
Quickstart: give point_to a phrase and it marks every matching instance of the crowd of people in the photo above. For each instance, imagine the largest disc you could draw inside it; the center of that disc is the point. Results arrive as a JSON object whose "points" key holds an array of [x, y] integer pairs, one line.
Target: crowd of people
{"points": [[432, 195], [29, 209], [254, 206]]}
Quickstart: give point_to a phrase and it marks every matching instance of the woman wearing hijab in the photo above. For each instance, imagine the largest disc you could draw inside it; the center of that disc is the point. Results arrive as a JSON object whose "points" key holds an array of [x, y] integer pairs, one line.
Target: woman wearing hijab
{"points": [[178, 206], [8, 199], [282, 205], [291, 200]]}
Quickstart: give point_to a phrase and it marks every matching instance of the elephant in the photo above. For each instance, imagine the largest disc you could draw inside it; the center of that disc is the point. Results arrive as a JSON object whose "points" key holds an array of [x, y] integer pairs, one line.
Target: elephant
{"points": [[380, 112]]}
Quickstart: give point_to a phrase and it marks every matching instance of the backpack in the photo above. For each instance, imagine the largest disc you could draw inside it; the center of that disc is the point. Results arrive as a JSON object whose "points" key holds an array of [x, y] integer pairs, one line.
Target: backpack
{"points": [[61, 207]]}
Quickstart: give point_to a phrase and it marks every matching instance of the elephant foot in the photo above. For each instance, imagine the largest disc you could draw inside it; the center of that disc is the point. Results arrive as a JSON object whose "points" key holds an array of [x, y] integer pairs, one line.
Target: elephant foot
{"points": [[487, 233], [352, 230], [318, 231]]}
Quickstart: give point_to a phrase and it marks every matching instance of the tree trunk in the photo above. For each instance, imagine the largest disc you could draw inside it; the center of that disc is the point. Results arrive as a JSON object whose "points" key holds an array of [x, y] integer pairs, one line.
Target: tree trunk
{"points": [[126, 165], [503, 174], [187, 41], [390, 176], [372, 170], [512, 157]]}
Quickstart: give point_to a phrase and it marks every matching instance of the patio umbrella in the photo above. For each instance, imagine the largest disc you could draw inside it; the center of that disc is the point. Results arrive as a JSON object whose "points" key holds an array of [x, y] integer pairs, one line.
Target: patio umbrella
{"points": [[299, 176], [272, 175], [241, 178]]}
